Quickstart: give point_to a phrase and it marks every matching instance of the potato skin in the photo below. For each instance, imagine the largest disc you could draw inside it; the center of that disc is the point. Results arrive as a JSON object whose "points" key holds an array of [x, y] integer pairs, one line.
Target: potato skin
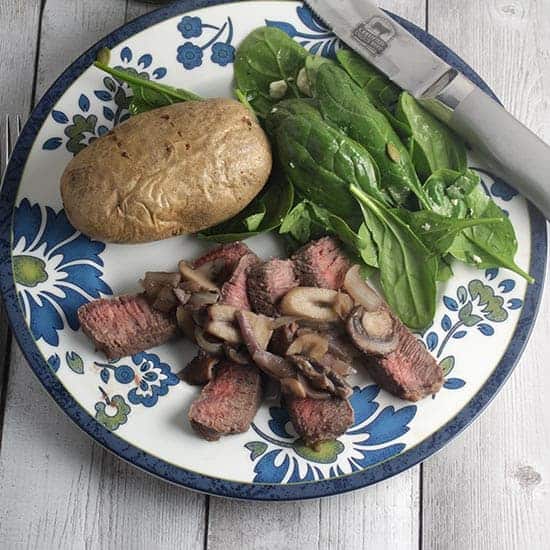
{"points": [[173, 170]]}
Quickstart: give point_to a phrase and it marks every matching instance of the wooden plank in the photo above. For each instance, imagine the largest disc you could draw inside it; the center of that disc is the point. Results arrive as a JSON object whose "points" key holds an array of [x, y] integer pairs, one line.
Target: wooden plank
{"points": [[490, 488], [59, 489], [18, 46], [384, 516]]}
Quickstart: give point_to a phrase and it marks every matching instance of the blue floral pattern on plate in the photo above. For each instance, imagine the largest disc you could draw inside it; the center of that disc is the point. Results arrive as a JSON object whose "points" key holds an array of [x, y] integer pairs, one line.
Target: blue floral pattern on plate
{"points": [[84, 127], [218, 41], [281, 457], [318, 39], [56, 268]]}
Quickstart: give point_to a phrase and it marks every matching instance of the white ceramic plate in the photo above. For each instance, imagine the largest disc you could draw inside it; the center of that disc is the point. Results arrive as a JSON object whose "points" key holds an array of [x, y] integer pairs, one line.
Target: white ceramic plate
{"points": [[137, 406]]}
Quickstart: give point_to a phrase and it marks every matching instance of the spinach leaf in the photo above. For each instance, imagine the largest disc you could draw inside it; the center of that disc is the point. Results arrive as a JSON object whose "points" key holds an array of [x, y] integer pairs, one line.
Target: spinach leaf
{"points": [[407, 268], [434, 146], [265, 213], [265, 56], [298, 223], [308, 220], [484, 246], [369, 251], [343, 103], [322, 162], [438, 232], [444, 269], [448, 191], [147, 95], [382, 92], [290, 107]]}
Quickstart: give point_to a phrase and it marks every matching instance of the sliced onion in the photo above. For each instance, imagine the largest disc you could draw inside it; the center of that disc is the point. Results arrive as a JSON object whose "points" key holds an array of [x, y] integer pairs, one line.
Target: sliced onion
{"points": [[360, 291]]}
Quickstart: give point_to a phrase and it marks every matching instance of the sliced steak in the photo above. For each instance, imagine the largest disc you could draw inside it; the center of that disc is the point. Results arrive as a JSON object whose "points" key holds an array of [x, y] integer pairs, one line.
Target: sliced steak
{"points": [[126, 325], [410, 372], [317, 420], [395, 358], [234, 291], [321, 263], [268, 282], [221, 261], [228, 403]]}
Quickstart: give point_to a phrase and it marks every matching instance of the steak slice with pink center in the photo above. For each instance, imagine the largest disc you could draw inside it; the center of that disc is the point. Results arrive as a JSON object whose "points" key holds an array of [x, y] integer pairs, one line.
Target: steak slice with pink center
{"points": [[126, 325], [228, 403], [322, 263]]}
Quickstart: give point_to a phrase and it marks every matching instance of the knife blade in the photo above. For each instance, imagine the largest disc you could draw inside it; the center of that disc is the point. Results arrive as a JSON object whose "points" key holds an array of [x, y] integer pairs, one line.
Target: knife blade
{"points": [[511, 150]]}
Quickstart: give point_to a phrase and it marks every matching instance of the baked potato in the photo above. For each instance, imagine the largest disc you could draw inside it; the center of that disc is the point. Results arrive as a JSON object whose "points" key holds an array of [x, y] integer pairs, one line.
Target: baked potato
{"points": [[174, 170]]}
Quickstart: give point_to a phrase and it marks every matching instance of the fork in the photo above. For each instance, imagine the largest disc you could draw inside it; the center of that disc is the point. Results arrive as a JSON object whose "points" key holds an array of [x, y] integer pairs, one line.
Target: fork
{"points": [[8, 138]]}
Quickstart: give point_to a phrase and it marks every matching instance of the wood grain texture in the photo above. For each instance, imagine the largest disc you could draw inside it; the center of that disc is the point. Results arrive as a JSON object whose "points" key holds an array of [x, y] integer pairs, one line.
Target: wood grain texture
{"points": [[19, 22], [58, 488], [384, 516], [490, 488]]}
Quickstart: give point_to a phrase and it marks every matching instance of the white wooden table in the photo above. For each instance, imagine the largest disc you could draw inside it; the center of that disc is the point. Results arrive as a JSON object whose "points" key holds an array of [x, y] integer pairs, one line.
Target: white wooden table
{"points": [[489, 489]]}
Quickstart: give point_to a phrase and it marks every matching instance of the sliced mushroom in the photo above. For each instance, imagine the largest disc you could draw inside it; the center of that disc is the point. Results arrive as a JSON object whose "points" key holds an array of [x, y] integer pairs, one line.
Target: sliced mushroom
{"points": [[185, 322], [273, 365], [225, 331], [283, 321], [343, 304], [153, 281], [166, 300], [310, 303], [320, 378], [309, 344], [200, 370], [222, 313], [337, 365], [315, 377], [181, 295], [294, 387], [194, 276], [373, 332], [255, 329], [203, 298], [213, 269], [360, 291], [237, 356], [213, 347], [222, 324]]}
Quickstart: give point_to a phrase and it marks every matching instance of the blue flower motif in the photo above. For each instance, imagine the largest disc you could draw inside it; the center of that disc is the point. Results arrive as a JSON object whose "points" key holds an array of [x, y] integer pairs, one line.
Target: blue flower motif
{"points": [[153, 379], [223, 53], [56, 268], [282, 458], [190, 56], [316, 36], [190, 27]]}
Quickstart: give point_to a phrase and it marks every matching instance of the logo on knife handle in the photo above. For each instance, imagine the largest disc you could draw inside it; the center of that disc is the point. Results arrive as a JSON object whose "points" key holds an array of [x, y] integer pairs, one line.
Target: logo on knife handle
{"points": [[375, 34]]}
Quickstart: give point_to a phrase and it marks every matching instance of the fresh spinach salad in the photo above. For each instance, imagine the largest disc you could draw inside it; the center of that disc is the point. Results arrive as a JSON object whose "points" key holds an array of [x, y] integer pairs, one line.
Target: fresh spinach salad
{"points": [[357, 157]]}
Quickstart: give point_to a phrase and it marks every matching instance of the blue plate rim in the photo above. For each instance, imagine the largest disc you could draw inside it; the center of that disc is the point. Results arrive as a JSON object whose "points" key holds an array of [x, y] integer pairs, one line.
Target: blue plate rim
{"points": [[175, 474]]}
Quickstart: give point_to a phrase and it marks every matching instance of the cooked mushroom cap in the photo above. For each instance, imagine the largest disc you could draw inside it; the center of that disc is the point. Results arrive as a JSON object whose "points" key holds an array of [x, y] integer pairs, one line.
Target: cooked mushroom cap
{"points": [[312, 303], [309, 344], [373, 332], [360, 291]]}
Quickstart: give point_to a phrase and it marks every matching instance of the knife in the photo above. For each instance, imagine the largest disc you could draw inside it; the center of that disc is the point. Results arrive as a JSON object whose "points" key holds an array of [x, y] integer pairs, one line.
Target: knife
{"points": [[512, 151]]}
